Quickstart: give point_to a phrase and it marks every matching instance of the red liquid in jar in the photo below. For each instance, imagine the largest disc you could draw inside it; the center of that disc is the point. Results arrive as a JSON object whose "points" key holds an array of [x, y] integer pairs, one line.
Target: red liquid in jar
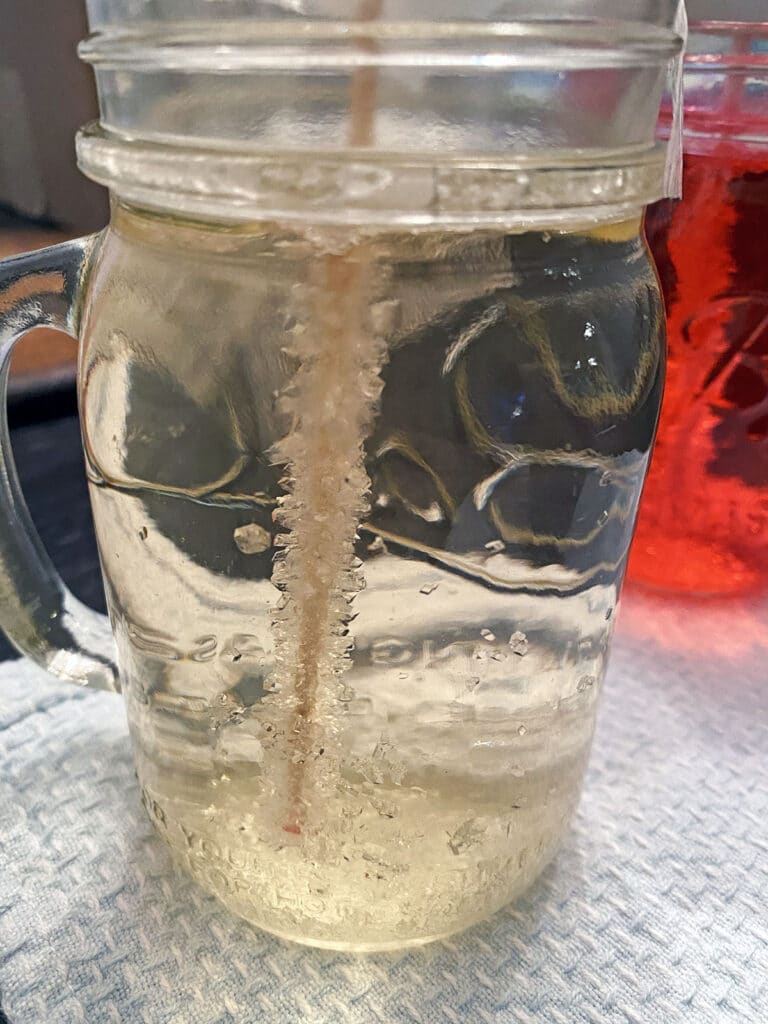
{"points": [[704, 520]]}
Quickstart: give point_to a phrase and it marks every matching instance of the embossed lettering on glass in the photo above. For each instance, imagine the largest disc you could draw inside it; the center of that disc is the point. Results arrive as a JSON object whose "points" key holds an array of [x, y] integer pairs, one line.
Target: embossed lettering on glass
{"points": [[370, 368]]}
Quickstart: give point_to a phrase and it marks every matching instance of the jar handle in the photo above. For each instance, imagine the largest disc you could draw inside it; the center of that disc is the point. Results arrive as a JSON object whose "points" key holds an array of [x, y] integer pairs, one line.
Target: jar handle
{"points": [[39, 614]]}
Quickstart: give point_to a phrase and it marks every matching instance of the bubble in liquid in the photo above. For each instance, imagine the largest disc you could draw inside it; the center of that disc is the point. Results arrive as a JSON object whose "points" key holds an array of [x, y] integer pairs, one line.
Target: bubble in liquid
{"points": [[519, 644], [252, 539], [522, 730]]}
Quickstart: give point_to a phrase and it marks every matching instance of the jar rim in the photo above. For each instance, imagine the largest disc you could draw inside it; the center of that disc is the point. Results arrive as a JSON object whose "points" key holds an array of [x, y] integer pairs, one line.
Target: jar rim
{"points": [[552, 191], [242, 45], [741, 56]]}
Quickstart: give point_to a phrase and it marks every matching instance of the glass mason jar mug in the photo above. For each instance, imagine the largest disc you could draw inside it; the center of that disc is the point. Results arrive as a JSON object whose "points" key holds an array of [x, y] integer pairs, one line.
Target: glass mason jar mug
{"points": [[370, 368]]}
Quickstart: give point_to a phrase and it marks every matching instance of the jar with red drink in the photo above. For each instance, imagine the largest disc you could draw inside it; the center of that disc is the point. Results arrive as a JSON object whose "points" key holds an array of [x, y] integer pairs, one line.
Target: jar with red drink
{"points": [[704, 522]]}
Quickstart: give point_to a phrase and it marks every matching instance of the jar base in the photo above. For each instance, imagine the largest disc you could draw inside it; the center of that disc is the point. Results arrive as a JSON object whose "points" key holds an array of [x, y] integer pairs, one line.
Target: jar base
{"points": [[395, 945]]}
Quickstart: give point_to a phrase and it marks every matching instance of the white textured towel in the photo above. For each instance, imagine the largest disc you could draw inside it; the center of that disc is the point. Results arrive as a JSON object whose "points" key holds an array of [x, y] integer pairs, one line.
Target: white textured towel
{"points": [[655, 912]]}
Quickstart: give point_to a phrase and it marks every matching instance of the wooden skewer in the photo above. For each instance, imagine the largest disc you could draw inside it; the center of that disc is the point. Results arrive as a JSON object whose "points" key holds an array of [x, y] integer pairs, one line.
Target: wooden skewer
{"points": [[331, 483]]}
